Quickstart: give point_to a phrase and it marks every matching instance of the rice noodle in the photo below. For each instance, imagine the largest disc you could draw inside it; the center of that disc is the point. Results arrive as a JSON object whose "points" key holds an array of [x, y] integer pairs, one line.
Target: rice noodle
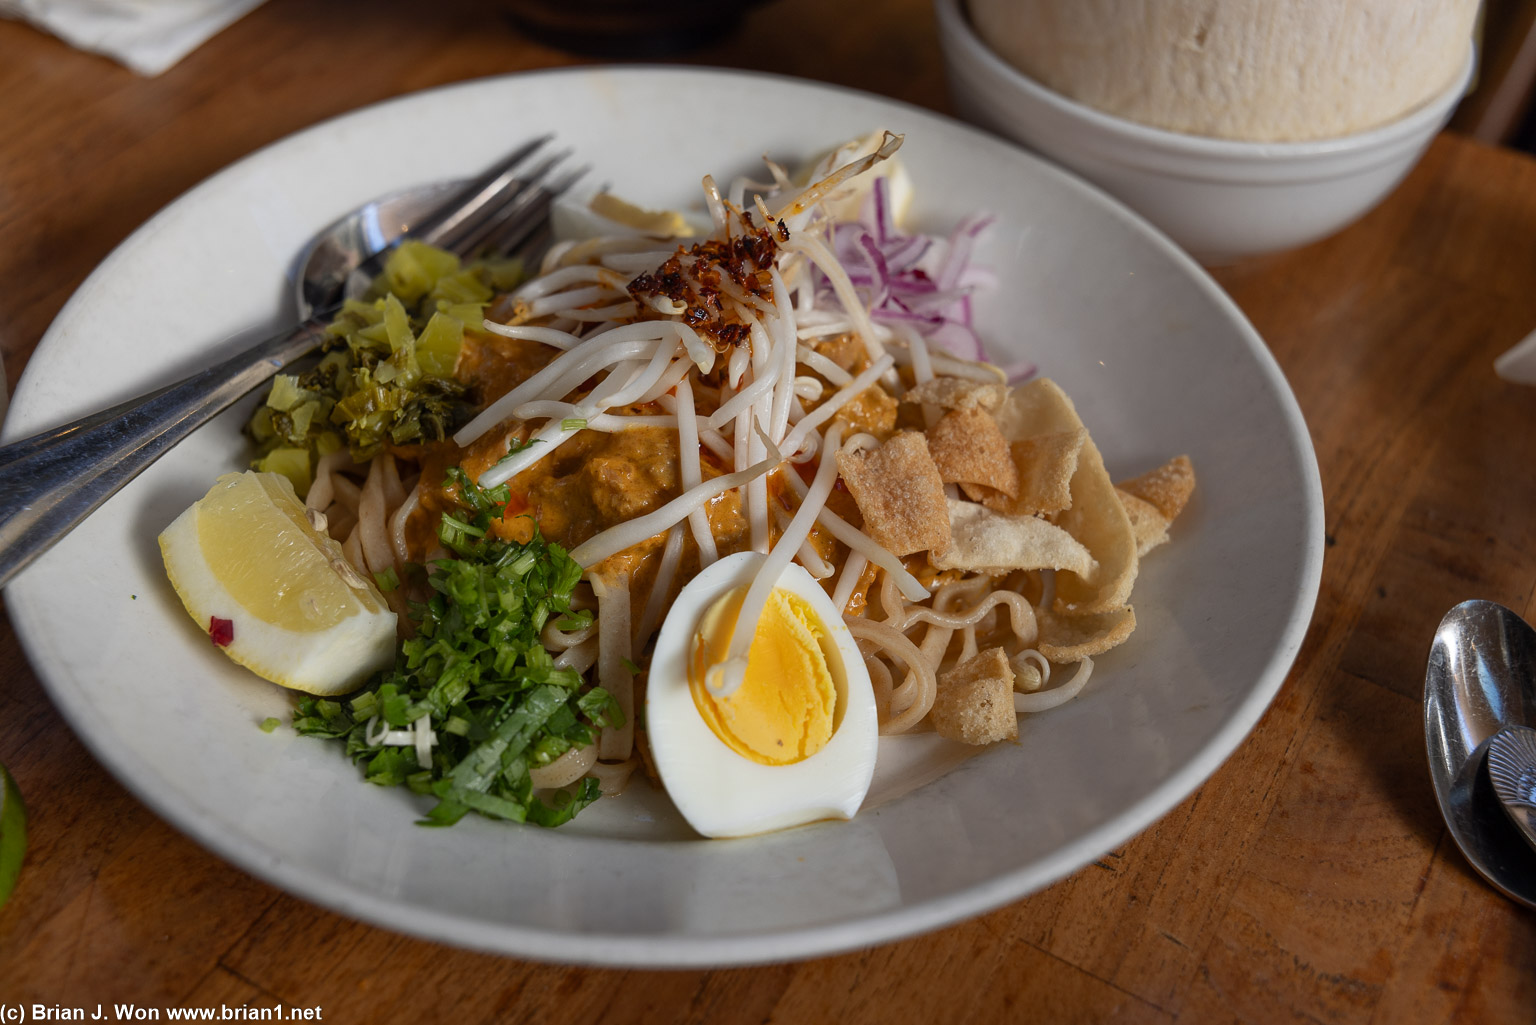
{"points": [[879, 680], [968, 647], [662, 587], [1021, 615], [555, 639], [922, 676], [397, 521], [613, 778], [349, 494], [581, 657], [372, 532], [566, 769], [323, 491], [612, 674]]}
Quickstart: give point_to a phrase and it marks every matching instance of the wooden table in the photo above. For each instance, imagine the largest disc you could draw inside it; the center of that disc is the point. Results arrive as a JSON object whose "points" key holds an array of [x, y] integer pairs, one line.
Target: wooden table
{"points": [[1310, 879]]}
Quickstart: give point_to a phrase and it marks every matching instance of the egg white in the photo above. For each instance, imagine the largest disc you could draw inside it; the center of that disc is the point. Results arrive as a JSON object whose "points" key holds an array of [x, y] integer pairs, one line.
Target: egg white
{"points": [[720, 792]]}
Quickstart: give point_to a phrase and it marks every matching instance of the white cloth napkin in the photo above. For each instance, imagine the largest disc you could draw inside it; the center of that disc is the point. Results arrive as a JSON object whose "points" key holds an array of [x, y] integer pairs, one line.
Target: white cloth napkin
{"points": [[146, 35]]}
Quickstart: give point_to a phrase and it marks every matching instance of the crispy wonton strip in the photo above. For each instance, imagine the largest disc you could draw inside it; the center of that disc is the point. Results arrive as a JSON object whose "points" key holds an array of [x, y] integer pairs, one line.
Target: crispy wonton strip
{"points": [[1096, 517], [1168, 487], [983, 541], [899, 494], [1073, 638], [968, 448]]}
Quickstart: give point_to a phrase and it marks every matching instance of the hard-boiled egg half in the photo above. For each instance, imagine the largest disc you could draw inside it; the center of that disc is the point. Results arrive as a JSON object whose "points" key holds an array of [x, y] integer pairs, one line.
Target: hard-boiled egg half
{"points": [[795, 742]]}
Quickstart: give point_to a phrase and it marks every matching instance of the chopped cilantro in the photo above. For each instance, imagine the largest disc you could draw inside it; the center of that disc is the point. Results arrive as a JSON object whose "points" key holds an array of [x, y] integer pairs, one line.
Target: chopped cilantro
{"points": [[518, 446], [476, 668]]}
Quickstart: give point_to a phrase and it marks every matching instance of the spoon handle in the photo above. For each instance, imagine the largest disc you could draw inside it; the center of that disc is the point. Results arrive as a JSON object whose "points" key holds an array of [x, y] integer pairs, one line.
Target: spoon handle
{"points": [[52, 481]]}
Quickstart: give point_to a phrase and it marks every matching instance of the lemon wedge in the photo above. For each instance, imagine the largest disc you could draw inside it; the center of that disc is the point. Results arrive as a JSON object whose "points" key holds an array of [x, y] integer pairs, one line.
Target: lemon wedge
{"points": [[273, 592]]}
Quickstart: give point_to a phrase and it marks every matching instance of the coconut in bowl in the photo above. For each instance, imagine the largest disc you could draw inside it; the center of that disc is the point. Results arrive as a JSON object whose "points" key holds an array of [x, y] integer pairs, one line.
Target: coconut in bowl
{"points": [[1238, 127]]}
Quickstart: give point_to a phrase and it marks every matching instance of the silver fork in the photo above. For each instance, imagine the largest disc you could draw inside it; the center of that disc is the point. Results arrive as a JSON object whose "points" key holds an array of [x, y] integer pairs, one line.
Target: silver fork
{"points": [[51, 481]]}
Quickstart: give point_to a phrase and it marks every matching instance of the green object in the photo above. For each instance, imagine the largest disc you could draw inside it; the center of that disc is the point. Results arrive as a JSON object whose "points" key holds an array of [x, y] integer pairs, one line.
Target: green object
{"points": [[415, 267], [292, 463], [13, 834], [270, 723], [387, 377], [437, 350], [496, 703]]}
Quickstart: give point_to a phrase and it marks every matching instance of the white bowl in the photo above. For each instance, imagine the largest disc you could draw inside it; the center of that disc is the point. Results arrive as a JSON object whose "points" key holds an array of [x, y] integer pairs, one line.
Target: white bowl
{"points": [[1218, 198]]}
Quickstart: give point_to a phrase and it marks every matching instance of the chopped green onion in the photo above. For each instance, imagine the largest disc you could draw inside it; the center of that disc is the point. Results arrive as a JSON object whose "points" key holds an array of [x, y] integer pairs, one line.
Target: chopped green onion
{"points": [[478, 671], [269, 724]]}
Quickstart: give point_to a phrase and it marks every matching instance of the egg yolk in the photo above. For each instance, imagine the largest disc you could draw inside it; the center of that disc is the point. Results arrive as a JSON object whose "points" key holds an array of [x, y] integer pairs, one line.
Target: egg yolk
{"points": [[785, 708]]}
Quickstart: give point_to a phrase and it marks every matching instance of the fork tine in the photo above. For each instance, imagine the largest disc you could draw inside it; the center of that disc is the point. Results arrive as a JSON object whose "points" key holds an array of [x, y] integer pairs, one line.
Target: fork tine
{"points": [[470, 213], [527, 216], [469, 237], [469, 202]]}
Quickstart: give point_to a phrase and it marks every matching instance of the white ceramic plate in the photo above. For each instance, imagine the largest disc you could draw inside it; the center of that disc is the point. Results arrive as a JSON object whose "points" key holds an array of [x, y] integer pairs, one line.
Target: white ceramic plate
{"points": [[1156, 357]]}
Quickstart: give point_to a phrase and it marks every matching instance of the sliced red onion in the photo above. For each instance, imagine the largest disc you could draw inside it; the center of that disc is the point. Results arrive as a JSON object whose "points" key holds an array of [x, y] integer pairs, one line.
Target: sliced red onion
{"points": [[910, 278]]}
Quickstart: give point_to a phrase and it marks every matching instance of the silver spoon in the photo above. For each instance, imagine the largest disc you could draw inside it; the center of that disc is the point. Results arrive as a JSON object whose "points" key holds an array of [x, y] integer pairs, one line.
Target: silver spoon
{"points": [[51, 481], [1481, 679]]}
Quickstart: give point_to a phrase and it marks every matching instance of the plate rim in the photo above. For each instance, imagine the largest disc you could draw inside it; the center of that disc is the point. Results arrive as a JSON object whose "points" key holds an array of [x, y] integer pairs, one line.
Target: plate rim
{"points": [[682, 950]]}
